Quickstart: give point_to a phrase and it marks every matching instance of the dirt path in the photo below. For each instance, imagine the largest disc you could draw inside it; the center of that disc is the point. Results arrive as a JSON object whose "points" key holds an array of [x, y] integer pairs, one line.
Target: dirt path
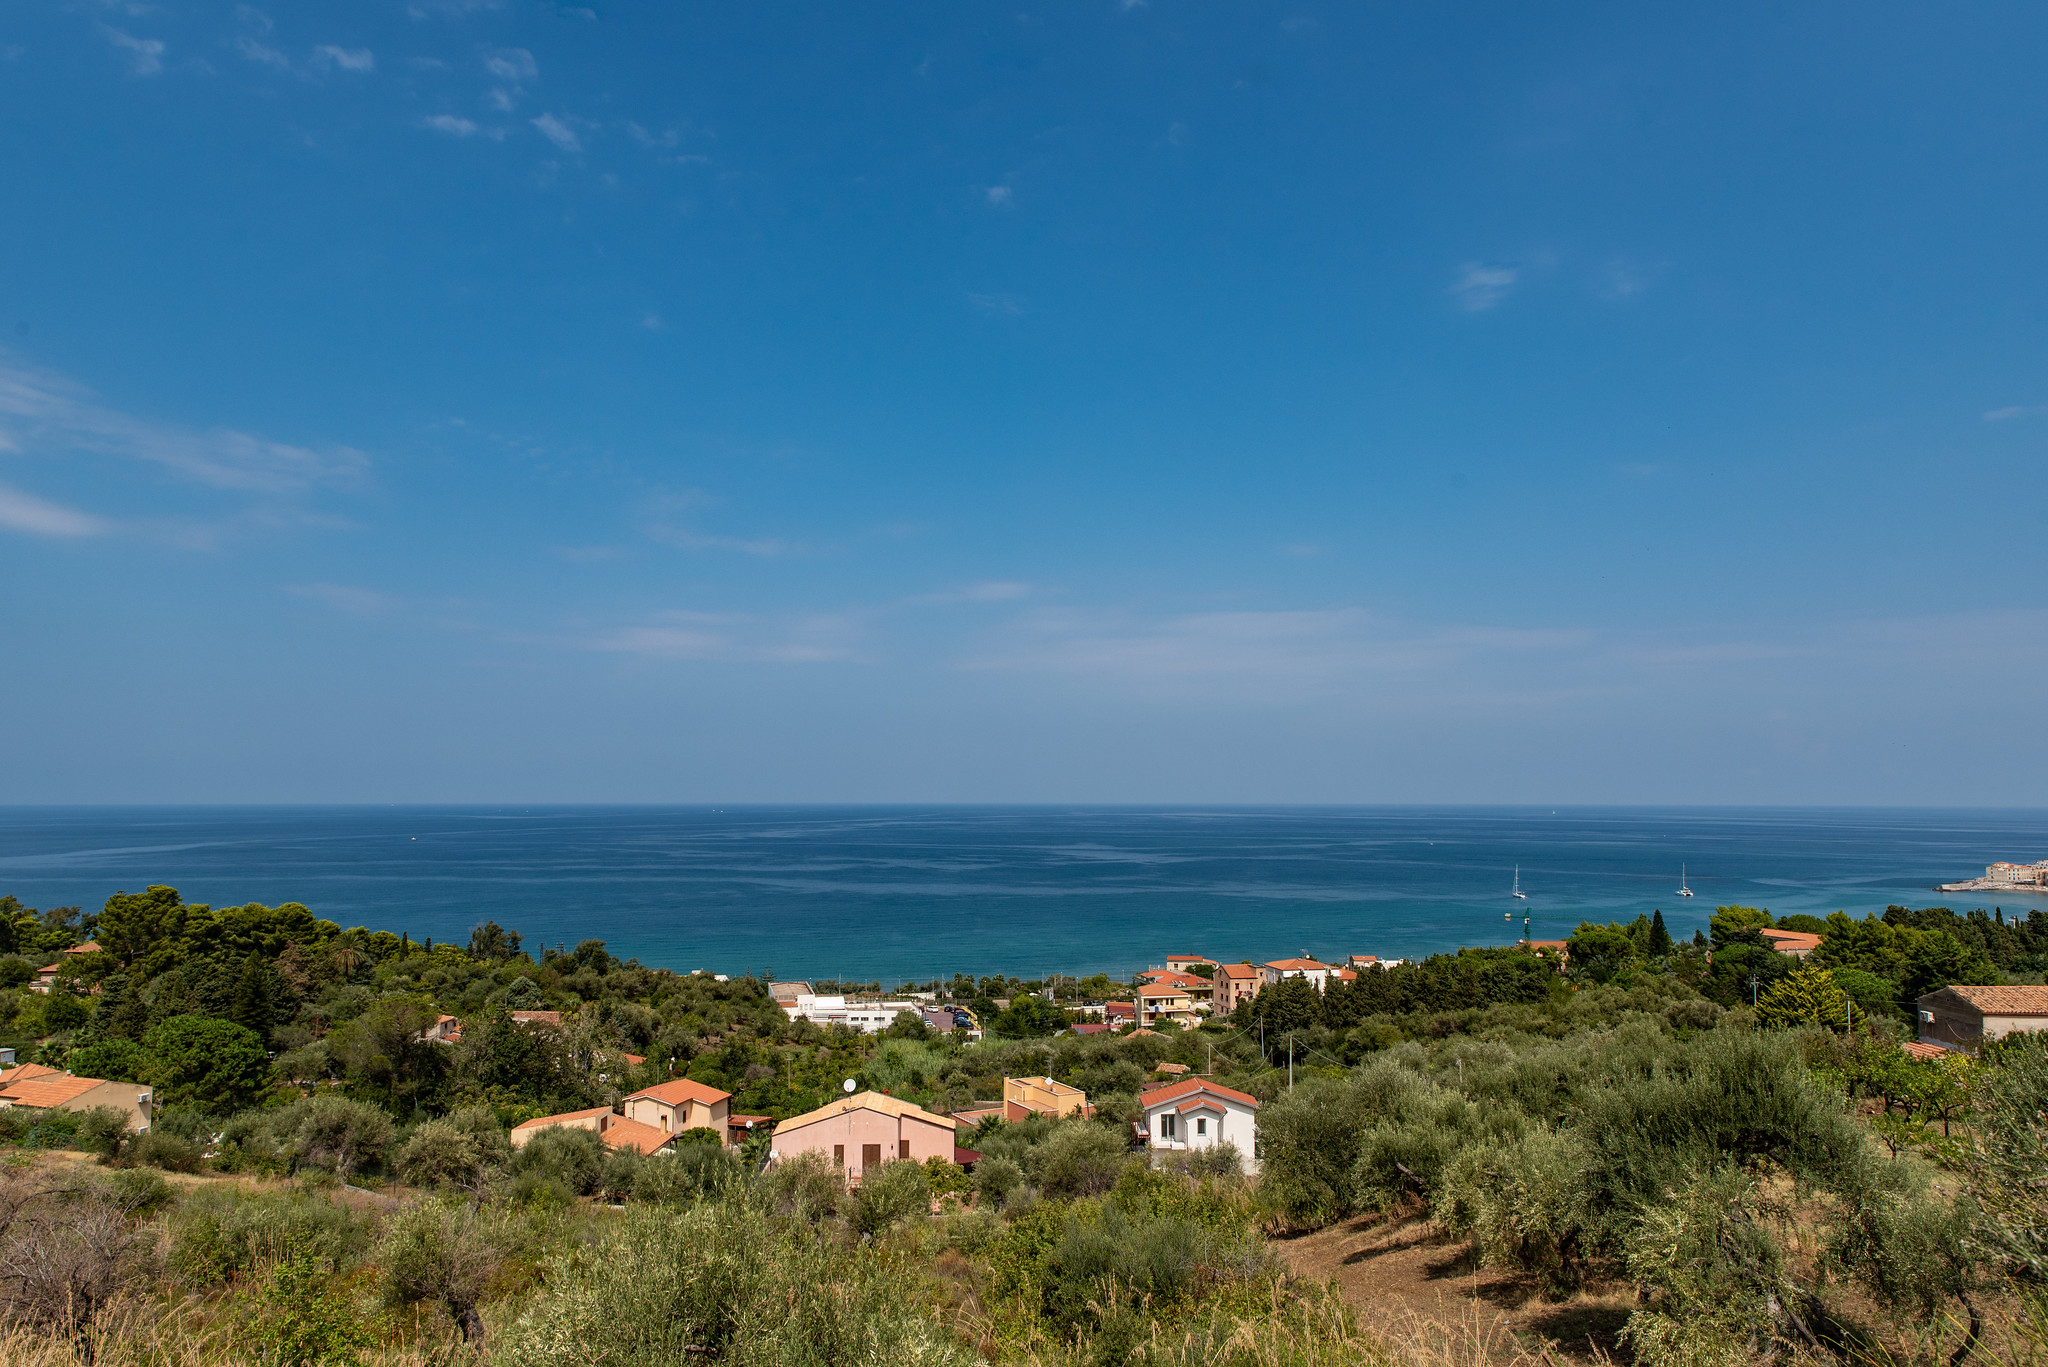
{"points": [[1399, 1270]]}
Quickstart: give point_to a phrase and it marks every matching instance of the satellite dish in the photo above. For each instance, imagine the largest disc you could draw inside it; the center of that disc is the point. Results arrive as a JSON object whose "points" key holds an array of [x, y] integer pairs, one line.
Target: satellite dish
{"points": [[847, 1085]]}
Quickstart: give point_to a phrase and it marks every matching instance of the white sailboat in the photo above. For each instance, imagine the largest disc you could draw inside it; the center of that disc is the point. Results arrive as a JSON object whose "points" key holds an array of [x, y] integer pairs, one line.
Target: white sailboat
{"points": [[1683, 890], [1518, 885]]}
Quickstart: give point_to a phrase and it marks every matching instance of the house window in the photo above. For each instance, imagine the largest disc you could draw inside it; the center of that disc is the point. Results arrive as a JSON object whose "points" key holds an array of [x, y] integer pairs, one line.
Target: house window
{"points": [[1201, 1124], [664, 1120], [1166, 1127], [839, 1155], [903, 1148]]}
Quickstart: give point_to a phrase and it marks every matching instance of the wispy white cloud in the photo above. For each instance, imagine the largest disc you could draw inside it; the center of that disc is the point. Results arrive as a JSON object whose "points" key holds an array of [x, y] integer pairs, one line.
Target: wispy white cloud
{"points": [[449, 9], [145, 54], [259, 52], [1002, 196], [1005, 304], [254, 19], [24, 512], [2007, 414], [1479, 287], [40, 410], [343, 598], [347, 59], [1255, 656], [558, 133], [513, 64], [684, 538], [1622, 279], [731, 638], [981, 591], [457, 127]]}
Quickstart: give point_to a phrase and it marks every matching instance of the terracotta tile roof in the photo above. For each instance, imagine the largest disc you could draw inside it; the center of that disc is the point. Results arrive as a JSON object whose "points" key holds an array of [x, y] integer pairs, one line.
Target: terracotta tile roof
{"points": [[1089, 1028], [1921, 1050], [2001, 1001], [627, 1133], [1785, 941], [1202, 1103], [542, 1122], [1150, 993], [1237, 970], [54, 1090], [635, 1059], [739, 1122], [537, 1017], [23, 1074], [678, 1090], [1187, 1087], [976, 1114], [89, 947], [866, 1101], [1297, 965], [1141, 1030], [1171, 978], [1175, 1068]]}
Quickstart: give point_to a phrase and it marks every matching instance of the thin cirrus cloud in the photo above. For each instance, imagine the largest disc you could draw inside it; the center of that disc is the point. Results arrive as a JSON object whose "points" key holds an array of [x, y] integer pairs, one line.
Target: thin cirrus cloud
{"points": [[145, 55], [43, 414], [981, 591], [1480, 287], [24, 512], [682, 538], [558, 133], [1280, 656], [2011, 411], [455, 126], [344, 598], [513, 64], [345, 59], [730, 638], [42, 411]]}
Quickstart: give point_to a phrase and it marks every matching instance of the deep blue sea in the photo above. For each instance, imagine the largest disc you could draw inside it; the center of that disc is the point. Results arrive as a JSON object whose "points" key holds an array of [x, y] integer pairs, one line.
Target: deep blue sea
{"points": [[915, 892]]}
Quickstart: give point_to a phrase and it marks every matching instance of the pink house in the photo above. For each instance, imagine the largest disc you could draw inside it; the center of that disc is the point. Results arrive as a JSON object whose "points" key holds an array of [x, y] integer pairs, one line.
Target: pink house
{"points": [[866, 1131]]}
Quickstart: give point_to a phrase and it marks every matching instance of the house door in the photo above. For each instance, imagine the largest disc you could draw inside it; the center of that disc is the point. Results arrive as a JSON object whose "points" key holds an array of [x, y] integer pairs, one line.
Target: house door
{"points": [[870, 1157]]}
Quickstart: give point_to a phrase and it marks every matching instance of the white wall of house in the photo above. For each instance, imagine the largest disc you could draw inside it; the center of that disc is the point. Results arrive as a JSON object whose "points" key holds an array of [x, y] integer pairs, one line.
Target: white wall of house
{"points": [[1219, 1121]]}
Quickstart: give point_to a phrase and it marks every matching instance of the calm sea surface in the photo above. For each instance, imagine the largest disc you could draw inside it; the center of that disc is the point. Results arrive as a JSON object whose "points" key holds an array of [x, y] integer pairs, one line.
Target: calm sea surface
{"points": [[914, 892]]}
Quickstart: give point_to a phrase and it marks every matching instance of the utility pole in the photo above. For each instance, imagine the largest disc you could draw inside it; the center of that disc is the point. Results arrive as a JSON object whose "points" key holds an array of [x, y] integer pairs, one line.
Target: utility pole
{"points": [[1290, 1060], [1752, 989]]}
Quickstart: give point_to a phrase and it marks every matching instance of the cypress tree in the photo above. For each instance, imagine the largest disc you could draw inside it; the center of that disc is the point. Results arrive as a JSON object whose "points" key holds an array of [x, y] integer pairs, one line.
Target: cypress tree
{"points": [[1660, 937]]}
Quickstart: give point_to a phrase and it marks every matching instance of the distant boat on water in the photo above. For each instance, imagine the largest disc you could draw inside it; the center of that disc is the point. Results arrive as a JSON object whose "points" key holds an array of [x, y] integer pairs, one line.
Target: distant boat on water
{"points": [[1683, 890], [1518, 885]]}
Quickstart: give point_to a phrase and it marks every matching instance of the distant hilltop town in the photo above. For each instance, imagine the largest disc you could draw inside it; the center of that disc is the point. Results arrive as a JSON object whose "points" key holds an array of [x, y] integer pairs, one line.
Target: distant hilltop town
{"points": [[2004, 877]]}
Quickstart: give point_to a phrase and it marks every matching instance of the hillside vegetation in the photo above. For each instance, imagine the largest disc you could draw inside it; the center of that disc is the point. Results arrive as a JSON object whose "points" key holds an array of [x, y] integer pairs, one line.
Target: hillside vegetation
{"points": [[323, 1185]]}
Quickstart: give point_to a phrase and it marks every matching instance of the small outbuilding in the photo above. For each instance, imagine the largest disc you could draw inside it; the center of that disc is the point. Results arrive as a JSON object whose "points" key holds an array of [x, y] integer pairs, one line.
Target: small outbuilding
{"points": [[1962, 1017]]}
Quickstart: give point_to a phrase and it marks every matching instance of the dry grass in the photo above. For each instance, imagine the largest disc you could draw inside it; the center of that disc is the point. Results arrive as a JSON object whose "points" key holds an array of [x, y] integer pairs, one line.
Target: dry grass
{"points": [[186, 1334]]}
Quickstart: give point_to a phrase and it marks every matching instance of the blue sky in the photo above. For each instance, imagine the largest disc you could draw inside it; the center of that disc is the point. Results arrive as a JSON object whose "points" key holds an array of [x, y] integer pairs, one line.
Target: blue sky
{"points": [[1156, 402]]}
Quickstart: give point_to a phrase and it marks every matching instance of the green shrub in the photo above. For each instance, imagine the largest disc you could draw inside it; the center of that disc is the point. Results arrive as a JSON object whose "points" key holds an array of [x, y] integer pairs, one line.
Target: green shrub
{"points": [[1718, 1289], [462, 1150], [1311, 1139], [997, 1181], [808, 1185], [1079, 1158], [307, 1318], [446, 1256], [162, 1149], [219, 1233], [332, 1132], [718, 1283], [688, 1175], [895, 1191], [1524, 1203], [568, 1157]]}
